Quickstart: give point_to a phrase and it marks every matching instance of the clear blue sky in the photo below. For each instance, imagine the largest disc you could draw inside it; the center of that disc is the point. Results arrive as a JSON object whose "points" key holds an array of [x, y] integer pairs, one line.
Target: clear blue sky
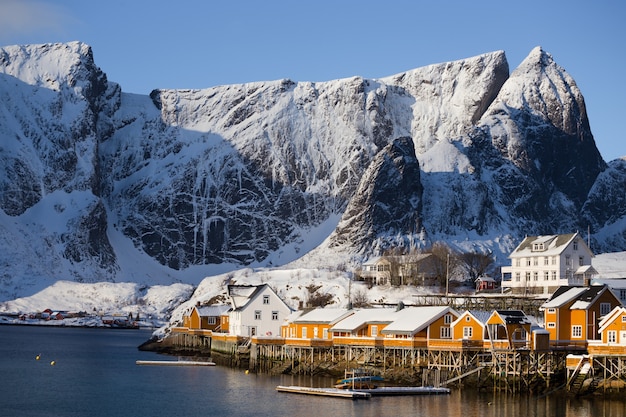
{"points": [[147, 44]]}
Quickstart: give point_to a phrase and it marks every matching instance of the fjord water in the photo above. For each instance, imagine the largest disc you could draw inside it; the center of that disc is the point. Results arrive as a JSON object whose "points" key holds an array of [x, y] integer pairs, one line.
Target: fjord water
{"points": [[94, 374]]}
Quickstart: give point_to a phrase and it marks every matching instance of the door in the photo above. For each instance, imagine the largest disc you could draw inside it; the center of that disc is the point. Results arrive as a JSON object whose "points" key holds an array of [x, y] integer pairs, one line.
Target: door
{"points": [[622, 337]]}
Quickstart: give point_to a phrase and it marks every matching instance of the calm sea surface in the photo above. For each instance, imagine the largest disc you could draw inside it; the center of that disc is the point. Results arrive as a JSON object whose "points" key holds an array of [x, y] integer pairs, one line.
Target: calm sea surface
{"points": [[95, 375]]}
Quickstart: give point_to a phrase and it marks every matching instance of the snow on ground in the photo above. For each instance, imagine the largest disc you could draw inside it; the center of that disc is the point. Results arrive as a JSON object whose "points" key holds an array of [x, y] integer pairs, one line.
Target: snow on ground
{"points": [[296, 286]]}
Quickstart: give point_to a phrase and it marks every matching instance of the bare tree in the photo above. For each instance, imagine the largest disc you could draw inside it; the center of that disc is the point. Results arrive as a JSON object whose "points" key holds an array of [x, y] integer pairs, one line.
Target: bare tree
{"points": [[475, 264], [445, 261]]}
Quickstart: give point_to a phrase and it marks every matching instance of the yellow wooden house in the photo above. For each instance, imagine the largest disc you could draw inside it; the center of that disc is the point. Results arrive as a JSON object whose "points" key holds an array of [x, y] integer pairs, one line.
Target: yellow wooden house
{"points": [[205, 317], [420, 327], [363, 328], [468, 330], [612, 332], [310, 327], [508, 329], [573, 314]]}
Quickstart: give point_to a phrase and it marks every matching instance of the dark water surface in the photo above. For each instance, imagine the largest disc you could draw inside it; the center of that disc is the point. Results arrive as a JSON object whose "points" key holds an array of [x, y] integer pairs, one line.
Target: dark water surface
{"points": [[95, 375]]}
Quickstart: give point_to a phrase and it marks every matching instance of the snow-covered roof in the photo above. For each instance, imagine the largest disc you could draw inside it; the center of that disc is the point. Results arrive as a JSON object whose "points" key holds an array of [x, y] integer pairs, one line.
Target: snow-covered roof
{"points": [[564, 297], [552, 245], [362, 317], [411, 320], [324, 315], [212, 311]]}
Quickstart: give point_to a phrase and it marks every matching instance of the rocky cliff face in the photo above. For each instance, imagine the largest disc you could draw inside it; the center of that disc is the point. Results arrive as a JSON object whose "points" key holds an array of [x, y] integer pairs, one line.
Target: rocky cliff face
{"points": [[461, 152]]}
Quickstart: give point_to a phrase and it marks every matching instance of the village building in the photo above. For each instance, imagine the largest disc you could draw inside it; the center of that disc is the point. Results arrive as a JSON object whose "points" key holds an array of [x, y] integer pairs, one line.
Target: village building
{"points": [[206, 317], [541, 264], [420, 327], [399, 270], [256, 311], [572, 315], [314, 324], [485, 284]]}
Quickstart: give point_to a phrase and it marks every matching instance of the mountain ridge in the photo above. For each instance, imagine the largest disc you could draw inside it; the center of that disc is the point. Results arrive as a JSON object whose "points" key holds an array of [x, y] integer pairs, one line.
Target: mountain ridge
{"points": [[195, 182]]}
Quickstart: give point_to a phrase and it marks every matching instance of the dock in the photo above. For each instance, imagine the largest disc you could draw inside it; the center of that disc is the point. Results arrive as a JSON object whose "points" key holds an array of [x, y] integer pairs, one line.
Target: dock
{"points": [[176, 363], [382, 391], [326, 392]]}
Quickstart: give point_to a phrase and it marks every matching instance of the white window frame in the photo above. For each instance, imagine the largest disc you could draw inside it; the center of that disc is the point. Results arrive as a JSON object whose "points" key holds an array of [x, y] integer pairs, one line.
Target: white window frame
{"points": [[577, 331], [266, 299], [468, 332], [611, 336], [445, 332]]}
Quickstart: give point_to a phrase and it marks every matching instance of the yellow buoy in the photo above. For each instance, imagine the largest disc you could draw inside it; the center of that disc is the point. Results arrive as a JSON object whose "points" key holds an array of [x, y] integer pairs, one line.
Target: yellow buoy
{"points": [[37, 357], [247, 372], [52, 363]]}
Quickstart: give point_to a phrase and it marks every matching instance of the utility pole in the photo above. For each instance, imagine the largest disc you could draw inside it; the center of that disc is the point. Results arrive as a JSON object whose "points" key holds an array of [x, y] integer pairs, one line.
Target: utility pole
{"points": [[447, 275]]}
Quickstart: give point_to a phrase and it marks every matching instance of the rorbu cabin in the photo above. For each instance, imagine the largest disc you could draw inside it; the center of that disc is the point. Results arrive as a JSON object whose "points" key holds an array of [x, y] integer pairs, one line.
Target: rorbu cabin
{"points": [[206, 317], [363, 327], [509, 329], [573, 314], [420, 327], [469, 330], [305, 326], [612, 332]]}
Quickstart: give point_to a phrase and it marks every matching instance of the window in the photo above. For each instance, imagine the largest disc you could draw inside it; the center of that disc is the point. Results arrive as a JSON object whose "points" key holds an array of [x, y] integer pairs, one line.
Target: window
{"points": [[605, 308], [536, 261], [554, 260], [447, 319], [467, 318], [444, 333], [568, 260], [304, 332], [527, 276], [551, 325], [468, 332], [581, 261], [315, 332], [553, 275], [517, 276], [535, 276], [622, 295], [274, 315], [575, 245], [623, 319], [374, 331], [546, 275], [266, 299], [211, 320], [517, 262], [545, 260], [257, 314], [611, 336], [325, 333], [577, 331], [552, 310], [528, 262]]}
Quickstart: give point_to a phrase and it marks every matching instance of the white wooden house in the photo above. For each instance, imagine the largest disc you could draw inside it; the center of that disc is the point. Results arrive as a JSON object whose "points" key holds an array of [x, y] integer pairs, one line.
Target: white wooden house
{"points": [[541, 264], [256, 311]]}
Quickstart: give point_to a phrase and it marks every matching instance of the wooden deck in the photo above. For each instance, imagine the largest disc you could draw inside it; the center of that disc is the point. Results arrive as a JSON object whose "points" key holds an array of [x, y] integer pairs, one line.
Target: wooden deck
{"points": [[326, 392]]}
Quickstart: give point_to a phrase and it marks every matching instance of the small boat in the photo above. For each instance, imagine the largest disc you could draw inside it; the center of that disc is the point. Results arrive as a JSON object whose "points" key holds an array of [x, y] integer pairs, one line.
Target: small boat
{"points": [[358, 379]]}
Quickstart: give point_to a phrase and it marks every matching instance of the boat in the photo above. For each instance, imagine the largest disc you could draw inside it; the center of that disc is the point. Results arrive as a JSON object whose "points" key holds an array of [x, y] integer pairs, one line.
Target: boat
{"points": [[358, 379]]}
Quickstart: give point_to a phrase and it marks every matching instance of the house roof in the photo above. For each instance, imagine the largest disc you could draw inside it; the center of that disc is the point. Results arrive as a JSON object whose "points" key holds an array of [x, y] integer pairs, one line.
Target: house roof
{"points": [[212, 311], [582, 297], [361, 318], [480, 316], [411, 320], [241, 295], [323, 315], [553, 245], [562, 296], [513, 316], [616, 312]]}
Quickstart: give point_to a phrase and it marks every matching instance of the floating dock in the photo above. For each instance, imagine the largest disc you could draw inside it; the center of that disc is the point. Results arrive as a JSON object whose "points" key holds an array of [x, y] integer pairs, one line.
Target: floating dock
{"points": [[326, 392], [381, 391], [176, 363]]}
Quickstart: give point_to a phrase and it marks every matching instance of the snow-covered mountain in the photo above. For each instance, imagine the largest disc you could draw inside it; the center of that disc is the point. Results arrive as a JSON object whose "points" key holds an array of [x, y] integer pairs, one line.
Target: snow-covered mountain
{"points": [[100, 185]]}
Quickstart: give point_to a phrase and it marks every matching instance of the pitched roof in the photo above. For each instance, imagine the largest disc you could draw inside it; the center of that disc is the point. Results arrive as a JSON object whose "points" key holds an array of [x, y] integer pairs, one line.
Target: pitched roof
{"points": [[513, 316], [582, 297], [361, 318], [241, 295], [324, 315], [212, 311], [552, 244], [411, 320], [562, 296]]}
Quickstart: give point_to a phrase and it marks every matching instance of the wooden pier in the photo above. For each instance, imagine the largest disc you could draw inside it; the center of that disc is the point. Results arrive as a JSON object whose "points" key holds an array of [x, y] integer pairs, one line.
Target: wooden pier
{"points": [[326, 392]]}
